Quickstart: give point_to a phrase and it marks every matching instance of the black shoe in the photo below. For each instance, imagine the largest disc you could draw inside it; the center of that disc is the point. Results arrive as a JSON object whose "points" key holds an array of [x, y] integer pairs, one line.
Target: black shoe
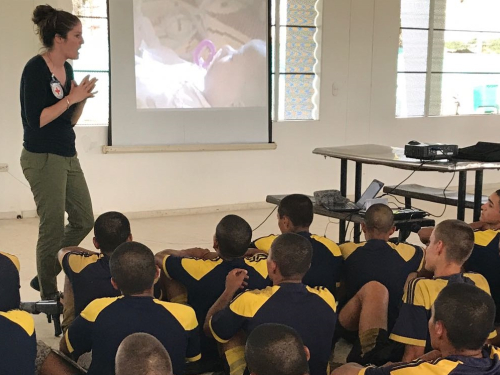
{"points": [[35, 283]]}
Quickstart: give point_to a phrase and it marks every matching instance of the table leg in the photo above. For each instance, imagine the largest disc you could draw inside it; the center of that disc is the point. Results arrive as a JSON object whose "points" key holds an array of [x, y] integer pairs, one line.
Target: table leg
{"points": [[462, 182], [357, 195], [343, 191], [478, 195]]}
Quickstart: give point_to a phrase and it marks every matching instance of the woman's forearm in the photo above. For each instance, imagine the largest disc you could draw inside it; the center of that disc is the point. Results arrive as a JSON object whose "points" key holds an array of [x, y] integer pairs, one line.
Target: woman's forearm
{"points": [[49, 114], [78, 112]]}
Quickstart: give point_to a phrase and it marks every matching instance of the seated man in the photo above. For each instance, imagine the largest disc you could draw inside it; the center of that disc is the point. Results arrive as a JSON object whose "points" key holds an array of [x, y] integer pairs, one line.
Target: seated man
{"points": [[311, 311], [485, 257], [375, 273], [18, 338], [462, 317], [450, 245], [205, 279], [141, 353], [105, 322], [276, 349], [87, 272], [295, 215]]}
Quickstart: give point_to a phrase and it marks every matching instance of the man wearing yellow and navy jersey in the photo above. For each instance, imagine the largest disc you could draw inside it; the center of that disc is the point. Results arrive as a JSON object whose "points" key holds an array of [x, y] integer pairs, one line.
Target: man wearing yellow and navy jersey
{"points": [[105, 322], [204, 279], [377, 259], [462, 317], [295, 215], [17, 328], [450, 245], [87, 272], [310, 311], [485, 257], [375, 273]]}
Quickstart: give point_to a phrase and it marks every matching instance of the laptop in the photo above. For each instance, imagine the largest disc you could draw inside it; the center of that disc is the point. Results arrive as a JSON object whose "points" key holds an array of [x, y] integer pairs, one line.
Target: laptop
{"points": [[371, 192]]}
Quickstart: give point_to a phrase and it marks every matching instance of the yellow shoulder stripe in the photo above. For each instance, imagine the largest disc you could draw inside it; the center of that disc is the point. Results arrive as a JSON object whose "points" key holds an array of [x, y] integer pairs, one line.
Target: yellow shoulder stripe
{"points": [[325, 295], [198, 268], [78, 262], [264, 243], [14, 260], [484, 237], [22, 319], [248, 303], [348, 248], [259, 263], [94, 308], [404, 250], [479, 280], [494, 351], [330, 245], [184, 314], [407, 340]]}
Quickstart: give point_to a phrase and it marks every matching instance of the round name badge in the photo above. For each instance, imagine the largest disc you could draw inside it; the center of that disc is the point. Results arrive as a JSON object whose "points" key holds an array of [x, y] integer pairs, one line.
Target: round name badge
{"points": [[57, 90]]}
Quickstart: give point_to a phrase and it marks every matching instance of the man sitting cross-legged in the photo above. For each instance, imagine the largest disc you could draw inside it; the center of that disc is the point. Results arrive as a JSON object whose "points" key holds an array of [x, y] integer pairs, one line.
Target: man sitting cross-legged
{"points": [[142, 354], [311, 311], [375, 273], [105, 322], [295, 215], [204, 279], [462, 317], [450, 245], [87, 272], [276, 349]]}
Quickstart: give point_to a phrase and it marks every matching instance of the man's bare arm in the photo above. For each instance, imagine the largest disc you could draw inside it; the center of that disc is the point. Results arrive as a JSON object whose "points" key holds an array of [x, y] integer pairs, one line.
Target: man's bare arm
{"points": [[76, 249], [235, 281], [412, 352]]}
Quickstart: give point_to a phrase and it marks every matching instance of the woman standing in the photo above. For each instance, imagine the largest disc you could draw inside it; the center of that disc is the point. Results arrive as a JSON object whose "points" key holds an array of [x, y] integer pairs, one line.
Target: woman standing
{"points": [[51, 104]]}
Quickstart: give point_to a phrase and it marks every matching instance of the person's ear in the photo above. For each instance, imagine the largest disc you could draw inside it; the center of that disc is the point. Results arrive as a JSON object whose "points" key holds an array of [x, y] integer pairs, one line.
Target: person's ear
{"points": [[391, 232], [272, 267], [363, 227], [308, 353], [96, 244], [216, 243], [115, 285], [157, 274], [440, 248], [439, 329], [130, 238]]}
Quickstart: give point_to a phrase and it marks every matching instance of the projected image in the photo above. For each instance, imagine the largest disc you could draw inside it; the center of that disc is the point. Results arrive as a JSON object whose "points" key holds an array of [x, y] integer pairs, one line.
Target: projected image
{"points": [[200, 53]]}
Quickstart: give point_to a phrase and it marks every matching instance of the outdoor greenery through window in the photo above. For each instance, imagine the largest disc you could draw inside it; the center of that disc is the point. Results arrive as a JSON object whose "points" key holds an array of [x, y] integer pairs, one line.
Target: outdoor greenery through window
{"points": [[94, 58], [295, 50], [295, 53], [449, 58]]}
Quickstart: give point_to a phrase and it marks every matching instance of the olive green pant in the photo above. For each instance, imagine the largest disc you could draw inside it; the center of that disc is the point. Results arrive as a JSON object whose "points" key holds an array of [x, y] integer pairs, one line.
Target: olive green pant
{"points": [[58, 186]]}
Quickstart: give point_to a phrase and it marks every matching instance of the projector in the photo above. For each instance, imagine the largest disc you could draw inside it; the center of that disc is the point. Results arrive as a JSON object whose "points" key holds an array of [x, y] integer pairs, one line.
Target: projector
{"points": [[424, 151]]}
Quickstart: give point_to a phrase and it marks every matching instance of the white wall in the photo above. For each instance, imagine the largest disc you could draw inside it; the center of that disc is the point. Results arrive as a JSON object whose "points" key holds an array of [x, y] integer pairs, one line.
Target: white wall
{"points": [[360, 39]]}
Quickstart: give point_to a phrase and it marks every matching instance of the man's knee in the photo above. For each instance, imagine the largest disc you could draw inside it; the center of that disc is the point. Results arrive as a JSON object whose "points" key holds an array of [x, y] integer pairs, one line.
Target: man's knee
{"points": [[374, 289]]}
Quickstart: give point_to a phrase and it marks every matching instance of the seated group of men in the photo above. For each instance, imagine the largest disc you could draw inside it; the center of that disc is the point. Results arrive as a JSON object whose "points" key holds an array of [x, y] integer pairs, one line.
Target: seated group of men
{"points": [[209, 304]]}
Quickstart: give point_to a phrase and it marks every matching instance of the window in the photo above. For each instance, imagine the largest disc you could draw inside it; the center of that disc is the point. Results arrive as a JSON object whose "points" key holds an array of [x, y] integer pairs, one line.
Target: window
{"points": [[295, 53], [449, 58], [94, 58]]}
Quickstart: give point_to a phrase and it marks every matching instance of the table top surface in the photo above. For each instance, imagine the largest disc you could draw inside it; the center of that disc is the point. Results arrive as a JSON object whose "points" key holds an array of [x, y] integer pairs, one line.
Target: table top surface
{"points": [[394, 157]]}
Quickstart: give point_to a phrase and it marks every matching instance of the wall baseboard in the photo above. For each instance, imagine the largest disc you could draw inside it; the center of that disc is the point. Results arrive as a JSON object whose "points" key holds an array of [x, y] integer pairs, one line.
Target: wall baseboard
{"points": [[162, 213]]}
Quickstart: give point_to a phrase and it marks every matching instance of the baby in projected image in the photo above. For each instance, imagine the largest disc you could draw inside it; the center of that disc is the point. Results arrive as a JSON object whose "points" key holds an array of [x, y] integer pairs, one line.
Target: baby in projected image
{"points": [[237, 78], [233, 78]]}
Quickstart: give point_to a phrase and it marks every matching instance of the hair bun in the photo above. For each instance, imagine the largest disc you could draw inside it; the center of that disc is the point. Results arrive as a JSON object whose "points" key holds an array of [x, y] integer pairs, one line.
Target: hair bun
{"points": [[42, 13]]}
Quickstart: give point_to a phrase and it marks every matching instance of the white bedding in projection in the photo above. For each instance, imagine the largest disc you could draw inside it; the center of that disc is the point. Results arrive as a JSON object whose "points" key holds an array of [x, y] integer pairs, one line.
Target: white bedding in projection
{"points": [[200, 53]]}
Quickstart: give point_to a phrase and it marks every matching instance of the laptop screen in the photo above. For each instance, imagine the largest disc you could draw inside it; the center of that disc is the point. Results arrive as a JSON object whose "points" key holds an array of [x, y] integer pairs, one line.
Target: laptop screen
{"points": [[370, 193]]}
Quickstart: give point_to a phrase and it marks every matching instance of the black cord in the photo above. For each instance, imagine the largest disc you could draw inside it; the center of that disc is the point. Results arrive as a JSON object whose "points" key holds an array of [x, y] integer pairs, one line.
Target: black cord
{"points": [[444, 194], [411, 174], [258, 226]]}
